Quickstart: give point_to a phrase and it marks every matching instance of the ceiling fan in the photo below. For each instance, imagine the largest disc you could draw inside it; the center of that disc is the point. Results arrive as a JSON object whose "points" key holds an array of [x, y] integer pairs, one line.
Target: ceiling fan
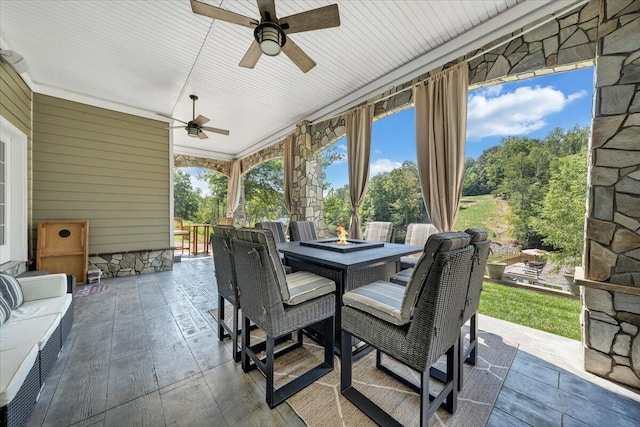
{"points": [[272, 34], [194, 127]]}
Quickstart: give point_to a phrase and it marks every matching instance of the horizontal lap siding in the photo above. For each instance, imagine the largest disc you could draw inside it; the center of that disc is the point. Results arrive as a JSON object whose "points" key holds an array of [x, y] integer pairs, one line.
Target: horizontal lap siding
{"points": [[109, 168], [15, 106]]}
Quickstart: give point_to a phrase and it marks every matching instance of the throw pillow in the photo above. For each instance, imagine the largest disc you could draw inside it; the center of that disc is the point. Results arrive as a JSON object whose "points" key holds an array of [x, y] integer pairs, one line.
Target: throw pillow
{"points": [[11, 291], [5, 311]]}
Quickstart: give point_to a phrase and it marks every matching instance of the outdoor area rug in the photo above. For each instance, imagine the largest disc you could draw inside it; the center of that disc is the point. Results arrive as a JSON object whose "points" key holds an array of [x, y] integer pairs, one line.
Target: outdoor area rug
{"points": [[321, 403]]}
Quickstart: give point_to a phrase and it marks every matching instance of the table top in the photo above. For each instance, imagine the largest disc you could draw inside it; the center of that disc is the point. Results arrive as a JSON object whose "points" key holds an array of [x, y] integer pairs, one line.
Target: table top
{"points": [[350, 260]]}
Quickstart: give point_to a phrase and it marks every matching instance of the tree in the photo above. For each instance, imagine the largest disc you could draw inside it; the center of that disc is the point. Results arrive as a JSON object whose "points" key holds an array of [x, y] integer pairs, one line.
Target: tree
{"points": [[561, 217], [264, 191], [186, 200], [214, 206]]}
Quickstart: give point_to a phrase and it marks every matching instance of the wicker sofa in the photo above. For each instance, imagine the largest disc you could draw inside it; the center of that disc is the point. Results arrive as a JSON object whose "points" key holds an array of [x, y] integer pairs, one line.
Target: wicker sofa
{"points": [[30, 342]]}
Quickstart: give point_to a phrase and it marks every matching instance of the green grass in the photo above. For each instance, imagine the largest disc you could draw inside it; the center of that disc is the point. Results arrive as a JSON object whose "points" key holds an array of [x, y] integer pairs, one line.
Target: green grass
{"points": [[486, 212], [556, 315]]}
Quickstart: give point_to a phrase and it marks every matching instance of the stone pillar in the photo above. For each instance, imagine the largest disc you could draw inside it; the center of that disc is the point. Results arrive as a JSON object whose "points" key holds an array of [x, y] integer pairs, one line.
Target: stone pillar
{"points": [[307, 180], [240, 214], [611, 314]]}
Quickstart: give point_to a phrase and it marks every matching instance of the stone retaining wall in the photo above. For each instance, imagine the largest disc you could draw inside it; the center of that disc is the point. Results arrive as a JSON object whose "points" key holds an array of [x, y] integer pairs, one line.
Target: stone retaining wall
{"points": [[132, 263]]}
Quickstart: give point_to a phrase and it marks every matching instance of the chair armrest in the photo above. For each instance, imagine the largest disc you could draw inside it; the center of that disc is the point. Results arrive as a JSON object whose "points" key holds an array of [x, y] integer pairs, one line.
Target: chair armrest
{"points": [[41, 287]]}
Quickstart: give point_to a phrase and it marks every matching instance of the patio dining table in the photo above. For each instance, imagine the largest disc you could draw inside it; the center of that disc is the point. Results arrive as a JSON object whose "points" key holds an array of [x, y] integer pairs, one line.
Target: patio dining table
{"points": [[349, 270]]}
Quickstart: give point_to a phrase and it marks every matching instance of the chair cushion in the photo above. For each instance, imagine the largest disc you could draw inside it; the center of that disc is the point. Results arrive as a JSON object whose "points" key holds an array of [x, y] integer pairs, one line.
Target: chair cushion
{"points": [[11, 291], [302, 230], [266, 237], [276, 227], [43, 287], [380, 299], [409, 261], [402, 277], [379, 231], [5, 310], [16, 364], [304, 286], [440, 242]]}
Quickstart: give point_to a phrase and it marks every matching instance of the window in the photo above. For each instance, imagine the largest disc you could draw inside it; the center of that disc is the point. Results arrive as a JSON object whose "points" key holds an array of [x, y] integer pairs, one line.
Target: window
{"points": [[13, 193]]}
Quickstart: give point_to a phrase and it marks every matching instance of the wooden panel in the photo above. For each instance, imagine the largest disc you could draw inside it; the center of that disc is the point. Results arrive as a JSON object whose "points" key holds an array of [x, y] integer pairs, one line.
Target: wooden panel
{"points": [[109, 168], [63, 248]]}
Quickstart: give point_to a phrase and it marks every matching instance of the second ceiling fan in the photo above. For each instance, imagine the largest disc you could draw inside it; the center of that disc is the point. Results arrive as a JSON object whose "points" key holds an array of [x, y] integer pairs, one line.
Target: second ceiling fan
{"points": [[271, 34]]}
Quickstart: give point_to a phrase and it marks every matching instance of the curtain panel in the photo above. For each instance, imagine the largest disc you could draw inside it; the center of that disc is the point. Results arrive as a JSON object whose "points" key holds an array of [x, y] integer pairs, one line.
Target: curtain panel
{"points": [[289, 163], [358, 126], [233, 188], [441, 128]]}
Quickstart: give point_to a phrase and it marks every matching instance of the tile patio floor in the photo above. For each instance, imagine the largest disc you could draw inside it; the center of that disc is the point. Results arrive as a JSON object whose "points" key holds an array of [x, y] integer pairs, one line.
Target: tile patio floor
{"points": [[144, 351]]}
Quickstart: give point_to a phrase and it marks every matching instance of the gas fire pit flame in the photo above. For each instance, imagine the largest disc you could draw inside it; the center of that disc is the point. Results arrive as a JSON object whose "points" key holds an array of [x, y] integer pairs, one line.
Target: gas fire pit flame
{"points": [[342, 235]]}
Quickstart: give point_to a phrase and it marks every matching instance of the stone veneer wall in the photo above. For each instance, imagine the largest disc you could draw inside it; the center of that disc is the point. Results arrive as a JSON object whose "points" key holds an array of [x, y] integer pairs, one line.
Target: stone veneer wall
{"points": [[132, 263], [612, 245]]}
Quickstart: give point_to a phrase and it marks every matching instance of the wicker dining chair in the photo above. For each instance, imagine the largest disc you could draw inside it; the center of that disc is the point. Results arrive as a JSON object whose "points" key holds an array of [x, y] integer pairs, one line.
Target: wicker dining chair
{"points": [[302, 231], [417, 235], [468, 354], [226, 280], [379, 231], [413, 324], [279, 304]]}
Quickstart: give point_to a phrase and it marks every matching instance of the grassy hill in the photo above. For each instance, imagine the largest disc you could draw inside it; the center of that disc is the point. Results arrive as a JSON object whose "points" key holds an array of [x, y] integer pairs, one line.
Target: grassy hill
{"points": [[487, 212]]}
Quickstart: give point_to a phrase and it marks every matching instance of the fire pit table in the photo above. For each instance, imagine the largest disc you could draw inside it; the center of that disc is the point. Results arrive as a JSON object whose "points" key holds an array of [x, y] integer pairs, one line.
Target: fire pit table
{"points": [[353, 265]]}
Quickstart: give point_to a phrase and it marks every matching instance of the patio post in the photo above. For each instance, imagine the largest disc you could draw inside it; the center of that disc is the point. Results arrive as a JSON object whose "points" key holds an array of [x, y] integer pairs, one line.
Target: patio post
{"points": [[611, 295], [306, 203]]}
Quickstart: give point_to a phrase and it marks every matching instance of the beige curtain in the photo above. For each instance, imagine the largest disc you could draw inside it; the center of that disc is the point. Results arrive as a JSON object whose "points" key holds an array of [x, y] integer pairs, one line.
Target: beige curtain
{"points": [[441, 127], [233, 188], [358, 123], [289, 163]]}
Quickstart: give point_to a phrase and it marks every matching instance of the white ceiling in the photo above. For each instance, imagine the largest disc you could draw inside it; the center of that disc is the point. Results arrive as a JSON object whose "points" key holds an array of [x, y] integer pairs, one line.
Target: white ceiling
{"points": [[148, 56]]}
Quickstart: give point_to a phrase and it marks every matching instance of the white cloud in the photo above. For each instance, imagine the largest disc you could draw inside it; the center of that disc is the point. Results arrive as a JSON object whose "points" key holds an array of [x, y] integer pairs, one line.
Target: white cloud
{"points": [[201, 185], [522, 111], [382, 165], [342, 147]]}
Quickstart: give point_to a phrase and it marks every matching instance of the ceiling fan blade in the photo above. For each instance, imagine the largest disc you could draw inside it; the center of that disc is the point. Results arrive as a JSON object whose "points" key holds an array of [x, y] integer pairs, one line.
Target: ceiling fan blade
{"points": [[202, 135], [215, 130], [200, 120], [297, 55], [267, 10], [172, 118], [250, 59], [221, 14], [316, 19]]}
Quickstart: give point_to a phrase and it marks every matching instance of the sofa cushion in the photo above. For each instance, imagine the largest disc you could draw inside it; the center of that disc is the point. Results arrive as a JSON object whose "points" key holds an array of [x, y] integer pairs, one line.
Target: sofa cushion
{"points": [[42, 307], [304, 286], [41, 287], [380, 299], [5, 310], [16, 333], [16, 364], [11, 291]]}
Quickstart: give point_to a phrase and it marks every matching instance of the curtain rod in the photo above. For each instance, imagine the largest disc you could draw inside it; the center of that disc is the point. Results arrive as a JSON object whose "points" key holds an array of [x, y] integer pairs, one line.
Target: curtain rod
{"points": [[479, 54]]}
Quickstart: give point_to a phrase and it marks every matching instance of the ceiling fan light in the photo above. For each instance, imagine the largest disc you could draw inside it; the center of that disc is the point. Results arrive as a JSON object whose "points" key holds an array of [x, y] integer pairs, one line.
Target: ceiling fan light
{"points": [[192, 131], [270, 38]]}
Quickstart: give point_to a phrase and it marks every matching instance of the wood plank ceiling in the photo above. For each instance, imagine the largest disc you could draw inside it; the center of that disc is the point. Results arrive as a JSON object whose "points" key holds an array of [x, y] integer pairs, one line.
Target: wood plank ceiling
{"points": [[148, 56]]}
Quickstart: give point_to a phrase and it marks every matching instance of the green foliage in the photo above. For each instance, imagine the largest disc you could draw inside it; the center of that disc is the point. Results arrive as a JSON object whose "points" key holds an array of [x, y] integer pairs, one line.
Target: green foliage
{"points": [[519, 170], [393, 196], [186, 199], [556, 315], [263, 190], [214, 206], [561, 217]]}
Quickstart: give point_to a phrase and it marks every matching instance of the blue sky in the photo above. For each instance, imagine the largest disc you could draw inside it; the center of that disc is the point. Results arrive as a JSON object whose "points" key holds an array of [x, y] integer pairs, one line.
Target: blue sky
{"points": [[529, 108]]}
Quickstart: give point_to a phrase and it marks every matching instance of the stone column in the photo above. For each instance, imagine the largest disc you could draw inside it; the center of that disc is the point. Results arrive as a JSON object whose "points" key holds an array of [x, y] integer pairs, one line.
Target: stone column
{"points": [[307, 180], [612, 244]]}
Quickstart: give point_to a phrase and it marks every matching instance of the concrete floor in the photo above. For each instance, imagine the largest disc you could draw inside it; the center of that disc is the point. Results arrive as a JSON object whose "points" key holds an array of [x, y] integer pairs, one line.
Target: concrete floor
{"points": [[144, 351]]}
